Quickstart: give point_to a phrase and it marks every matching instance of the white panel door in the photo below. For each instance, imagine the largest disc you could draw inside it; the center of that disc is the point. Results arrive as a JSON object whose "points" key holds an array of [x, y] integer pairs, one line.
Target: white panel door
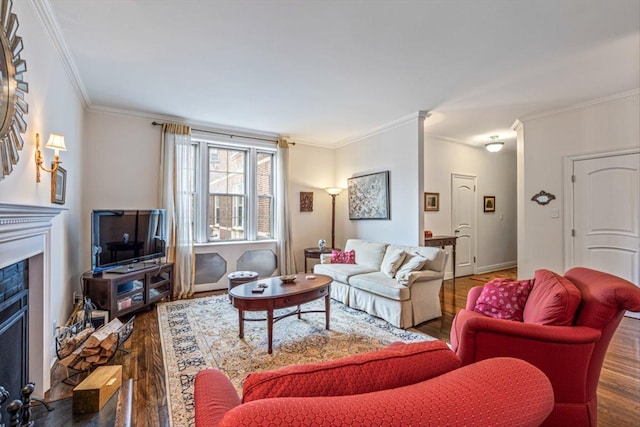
{"points": [[463, 210], [606, 210]]}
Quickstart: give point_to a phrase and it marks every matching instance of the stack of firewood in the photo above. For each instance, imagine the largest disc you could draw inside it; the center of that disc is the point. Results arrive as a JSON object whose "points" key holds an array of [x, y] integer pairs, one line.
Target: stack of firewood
{"points": [[96, 350]]}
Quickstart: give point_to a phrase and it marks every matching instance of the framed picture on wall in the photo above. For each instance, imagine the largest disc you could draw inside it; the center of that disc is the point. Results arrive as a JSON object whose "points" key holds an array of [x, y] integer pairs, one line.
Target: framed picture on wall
{"points": [[306, 201], [432, 201], [58, 185], [369, 196], [489, 203]]}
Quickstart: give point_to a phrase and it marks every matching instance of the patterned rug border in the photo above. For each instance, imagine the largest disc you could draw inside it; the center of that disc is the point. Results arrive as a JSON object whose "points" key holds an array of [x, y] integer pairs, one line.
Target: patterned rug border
{"points": [[198, 341]]}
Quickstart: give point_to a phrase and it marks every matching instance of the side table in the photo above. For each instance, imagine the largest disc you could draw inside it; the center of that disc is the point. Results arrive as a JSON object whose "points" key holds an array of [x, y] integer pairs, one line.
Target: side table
{"points": [[315, 253], [442, 241]]}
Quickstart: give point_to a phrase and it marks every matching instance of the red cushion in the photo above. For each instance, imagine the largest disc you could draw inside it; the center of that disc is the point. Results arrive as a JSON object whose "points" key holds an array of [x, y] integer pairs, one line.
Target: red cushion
{"points": [[394, 366], [213, 395], [552, 301], [503, 298], [346, 257], [497, 392]]}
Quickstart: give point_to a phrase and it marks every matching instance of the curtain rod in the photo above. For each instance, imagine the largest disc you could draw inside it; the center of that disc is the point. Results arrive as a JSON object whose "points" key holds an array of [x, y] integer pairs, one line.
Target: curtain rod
{"points": [[230, 135]]}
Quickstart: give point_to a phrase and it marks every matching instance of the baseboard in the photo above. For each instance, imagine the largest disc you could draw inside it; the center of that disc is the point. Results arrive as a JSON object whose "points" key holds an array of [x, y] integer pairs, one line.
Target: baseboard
{"points": [[496, 267]]}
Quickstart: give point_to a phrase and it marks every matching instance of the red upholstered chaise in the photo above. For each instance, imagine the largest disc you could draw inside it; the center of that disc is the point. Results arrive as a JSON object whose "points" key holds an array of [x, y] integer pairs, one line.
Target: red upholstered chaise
{"points": [[417, 384], [567, 326]]}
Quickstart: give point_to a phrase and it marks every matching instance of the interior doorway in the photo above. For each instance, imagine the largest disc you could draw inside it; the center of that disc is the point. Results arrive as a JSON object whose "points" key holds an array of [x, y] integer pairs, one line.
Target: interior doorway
{"points": [[463, 221], [605, 206]]}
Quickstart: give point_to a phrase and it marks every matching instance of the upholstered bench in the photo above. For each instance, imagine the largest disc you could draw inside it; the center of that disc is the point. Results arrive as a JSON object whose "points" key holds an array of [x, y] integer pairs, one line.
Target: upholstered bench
{"points": [[239, 277]]}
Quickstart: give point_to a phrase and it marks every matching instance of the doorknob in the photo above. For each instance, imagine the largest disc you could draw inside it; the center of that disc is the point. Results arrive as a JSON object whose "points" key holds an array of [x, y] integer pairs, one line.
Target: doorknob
{"points": [[456, 231]]}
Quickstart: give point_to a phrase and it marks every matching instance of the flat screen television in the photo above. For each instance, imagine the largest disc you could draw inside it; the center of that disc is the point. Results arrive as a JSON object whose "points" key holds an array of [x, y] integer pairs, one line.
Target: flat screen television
{"points": [[127, 238]]}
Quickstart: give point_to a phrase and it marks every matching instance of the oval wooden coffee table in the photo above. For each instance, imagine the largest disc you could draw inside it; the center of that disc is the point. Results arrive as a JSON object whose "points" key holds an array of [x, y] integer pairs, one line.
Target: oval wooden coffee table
{"points": [[280, 295]]}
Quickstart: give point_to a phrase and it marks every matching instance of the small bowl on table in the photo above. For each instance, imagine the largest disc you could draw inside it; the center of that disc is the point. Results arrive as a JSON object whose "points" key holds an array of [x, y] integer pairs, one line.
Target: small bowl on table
{"points": [[290, 278]]}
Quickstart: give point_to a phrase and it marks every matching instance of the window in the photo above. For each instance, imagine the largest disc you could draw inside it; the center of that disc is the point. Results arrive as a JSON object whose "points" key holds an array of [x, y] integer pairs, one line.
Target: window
{"points": [[235, 197]]}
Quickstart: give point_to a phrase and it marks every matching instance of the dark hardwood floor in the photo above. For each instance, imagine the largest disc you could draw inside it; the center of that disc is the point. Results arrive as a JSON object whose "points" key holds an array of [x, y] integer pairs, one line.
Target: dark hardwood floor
{"points": [[618, 391]]}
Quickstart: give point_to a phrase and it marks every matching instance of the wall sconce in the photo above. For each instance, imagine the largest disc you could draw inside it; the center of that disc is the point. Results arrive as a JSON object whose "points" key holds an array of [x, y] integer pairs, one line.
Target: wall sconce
{"points": [[55, 142], [333, 191], [495, 145]]}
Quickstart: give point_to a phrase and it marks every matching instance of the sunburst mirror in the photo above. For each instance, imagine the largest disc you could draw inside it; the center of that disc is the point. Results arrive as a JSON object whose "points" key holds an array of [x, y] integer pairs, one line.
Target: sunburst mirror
{"points": [[12, 103]]}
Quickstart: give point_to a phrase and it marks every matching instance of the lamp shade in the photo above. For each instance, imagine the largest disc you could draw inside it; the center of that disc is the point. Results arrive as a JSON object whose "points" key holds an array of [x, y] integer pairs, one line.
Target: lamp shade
{"points": [[334, 191], [56, 142]]}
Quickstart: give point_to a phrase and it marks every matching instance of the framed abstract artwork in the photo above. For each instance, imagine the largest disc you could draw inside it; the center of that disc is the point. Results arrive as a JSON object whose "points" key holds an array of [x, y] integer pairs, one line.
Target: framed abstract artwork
{"points": [[369, 196]]}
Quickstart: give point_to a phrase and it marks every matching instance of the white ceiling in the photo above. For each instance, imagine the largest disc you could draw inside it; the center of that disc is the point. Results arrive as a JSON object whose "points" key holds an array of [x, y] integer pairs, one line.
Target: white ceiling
{"points": [[328, 71]]}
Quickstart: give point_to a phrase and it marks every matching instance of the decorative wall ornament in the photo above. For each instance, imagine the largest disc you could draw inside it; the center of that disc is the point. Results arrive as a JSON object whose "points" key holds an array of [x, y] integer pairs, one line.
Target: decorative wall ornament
{"points": [[306, 201], [13, 87], [542, 198], [369, 196], [489, 203]]}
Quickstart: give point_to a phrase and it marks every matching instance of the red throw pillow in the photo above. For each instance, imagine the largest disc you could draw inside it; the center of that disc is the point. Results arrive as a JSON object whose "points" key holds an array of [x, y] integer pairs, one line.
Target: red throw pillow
{"points": [[346, 257], [553, 300], [395, 366], [504, 299]]}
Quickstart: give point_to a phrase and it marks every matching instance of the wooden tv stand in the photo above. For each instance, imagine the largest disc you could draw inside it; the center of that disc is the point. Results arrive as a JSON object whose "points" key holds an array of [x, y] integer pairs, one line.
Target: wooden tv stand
{"points": [[124, 293]]}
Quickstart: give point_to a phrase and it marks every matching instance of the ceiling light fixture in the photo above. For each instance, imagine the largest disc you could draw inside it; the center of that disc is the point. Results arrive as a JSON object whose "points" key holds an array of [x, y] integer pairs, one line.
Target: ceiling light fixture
{"points": [[495, 145]]}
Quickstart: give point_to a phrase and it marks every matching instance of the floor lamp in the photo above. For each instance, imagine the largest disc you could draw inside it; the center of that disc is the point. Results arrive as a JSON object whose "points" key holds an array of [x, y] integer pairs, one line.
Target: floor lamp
{"points": [[333, 191]]}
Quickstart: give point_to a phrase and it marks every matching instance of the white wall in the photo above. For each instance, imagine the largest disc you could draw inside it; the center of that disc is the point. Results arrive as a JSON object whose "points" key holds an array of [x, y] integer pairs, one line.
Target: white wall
{"points": [[496, 232], [53, 107], [311, 170], [602, 126], [399, 151], [122, 172], [122, 160]]}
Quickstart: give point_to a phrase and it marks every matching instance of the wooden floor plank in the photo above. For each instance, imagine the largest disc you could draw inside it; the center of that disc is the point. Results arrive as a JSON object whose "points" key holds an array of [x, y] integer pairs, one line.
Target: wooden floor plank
{"points": [[618, 391]]}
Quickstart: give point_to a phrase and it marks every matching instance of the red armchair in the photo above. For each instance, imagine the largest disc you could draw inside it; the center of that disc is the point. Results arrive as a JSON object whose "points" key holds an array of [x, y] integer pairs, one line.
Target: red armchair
{"points": [[570, 355]]}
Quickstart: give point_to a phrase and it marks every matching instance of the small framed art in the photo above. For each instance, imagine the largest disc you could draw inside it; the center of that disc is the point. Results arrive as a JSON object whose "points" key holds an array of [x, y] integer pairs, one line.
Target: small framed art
{"points": [[58, 185], [489, 203], [432, 201], [306, 201]]}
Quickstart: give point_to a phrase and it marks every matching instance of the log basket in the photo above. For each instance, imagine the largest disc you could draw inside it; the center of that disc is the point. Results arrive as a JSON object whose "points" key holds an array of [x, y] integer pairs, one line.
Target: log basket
{"points": [[70, 341]]}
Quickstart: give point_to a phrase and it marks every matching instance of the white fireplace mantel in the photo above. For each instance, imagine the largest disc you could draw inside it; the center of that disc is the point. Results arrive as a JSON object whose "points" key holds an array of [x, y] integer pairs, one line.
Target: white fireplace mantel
{"points": [[25, 233], [20, 221]]}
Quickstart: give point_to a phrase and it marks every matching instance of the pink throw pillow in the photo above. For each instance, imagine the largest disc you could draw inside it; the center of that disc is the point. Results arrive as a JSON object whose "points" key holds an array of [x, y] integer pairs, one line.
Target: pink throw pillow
{"points": [[504, 299], [346, 257]]}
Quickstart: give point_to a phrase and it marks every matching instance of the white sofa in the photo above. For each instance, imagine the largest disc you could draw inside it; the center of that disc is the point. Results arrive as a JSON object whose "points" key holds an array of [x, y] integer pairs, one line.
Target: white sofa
{"points": [[366, 285]]}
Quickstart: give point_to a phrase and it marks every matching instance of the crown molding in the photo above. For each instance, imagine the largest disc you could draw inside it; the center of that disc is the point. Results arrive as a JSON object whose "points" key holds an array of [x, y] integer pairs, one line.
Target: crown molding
{"points": [[454, 141], [45, 14], [421, 114], [207, 126], [447, 139], [517, 125], [586, 104]]}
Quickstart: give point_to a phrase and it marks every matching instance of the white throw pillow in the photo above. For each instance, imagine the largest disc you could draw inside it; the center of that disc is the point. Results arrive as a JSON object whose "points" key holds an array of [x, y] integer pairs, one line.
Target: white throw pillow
{"points": [[413, 262], [390, 265]]}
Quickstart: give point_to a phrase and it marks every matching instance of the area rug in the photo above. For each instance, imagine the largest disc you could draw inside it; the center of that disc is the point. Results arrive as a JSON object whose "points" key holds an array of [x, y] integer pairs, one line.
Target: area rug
{"points": [[203, 332]]}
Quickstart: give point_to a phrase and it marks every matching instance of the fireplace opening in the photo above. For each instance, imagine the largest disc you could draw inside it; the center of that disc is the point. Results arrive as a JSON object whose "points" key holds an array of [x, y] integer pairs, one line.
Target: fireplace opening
{"points": [[14, 329]]}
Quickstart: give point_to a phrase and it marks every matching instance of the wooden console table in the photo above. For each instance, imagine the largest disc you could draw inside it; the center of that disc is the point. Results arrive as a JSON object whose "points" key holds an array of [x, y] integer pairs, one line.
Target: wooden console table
{"points": [[442, 241]]}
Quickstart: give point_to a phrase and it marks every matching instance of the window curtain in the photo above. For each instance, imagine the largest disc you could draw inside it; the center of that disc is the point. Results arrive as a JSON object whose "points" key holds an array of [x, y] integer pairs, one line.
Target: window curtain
{"points": [[286, 260], [175, 196]]}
